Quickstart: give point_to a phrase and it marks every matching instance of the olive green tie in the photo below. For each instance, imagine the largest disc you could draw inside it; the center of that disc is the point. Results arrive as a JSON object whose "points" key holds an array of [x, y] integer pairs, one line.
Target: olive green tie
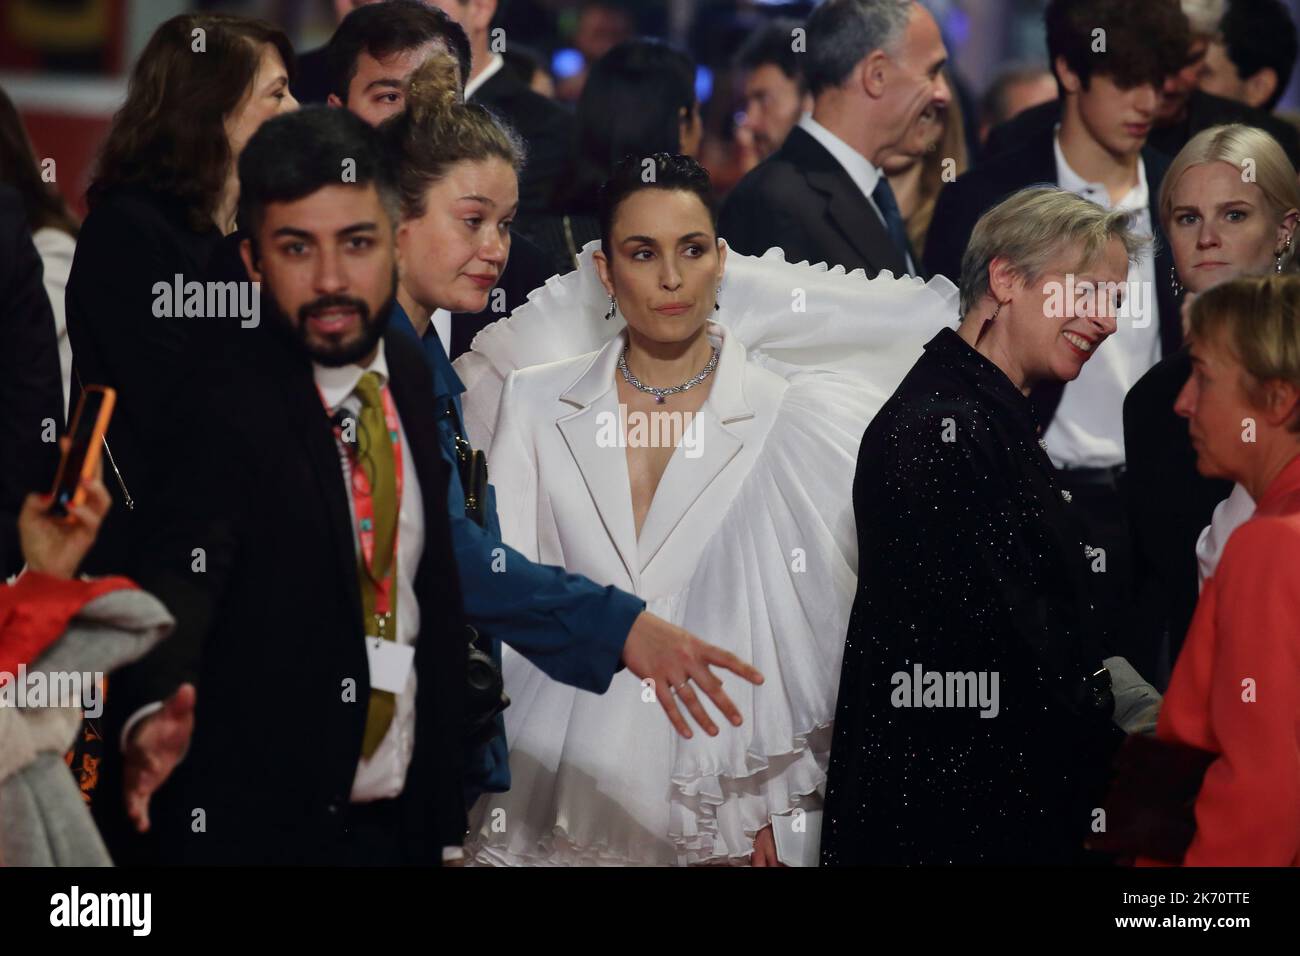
{"points": [[375, 458]]}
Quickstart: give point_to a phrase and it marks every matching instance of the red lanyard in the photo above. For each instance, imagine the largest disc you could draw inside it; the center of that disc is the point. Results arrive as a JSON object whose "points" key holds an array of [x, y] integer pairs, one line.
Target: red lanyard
{"points": [[363, 505]]}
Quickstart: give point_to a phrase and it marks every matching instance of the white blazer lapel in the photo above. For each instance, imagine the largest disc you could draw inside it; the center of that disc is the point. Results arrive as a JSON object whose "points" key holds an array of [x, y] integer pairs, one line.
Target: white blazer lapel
{"points": [[603, 465], [686, 478]]}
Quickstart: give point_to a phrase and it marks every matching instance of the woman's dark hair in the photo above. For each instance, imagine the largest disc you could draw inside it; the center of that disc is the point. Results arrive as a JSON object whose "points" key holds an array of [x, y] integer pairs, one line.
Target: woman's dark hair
{"points": [[20, 169], [631, 105], [439, 129], [632, 174], [170, 135]]}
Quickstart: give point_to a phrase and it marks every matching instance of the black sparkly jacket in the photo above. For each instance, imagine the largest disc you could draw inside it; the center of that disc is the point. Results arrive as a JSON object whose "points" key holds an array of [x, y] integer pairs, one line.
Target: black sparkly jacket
{"points": [[970, 562]]}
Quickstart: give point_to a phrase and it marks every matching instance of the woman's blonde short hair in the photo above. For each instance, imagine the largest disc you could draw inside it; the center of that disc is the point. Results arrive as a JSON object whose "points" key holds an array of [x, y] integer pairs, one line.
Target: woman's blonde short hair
{"points": [[1257, 319], [1032, 228], [1247, 148]]}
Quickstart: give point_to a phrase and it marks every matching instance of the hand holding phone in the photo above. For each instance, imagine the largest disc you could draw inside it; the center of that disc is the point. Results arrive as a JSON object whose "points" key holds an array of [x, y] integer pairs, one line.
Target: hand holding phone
{"points": [[56, 545], [56, 530], [81, 456]]}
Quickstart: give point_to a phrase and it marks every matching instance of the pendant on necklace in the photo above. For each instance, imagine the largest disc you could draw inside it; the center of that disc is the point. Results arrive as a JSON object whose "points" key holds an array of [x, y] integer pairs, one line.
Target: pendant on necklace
{"points": [[659, 399]]}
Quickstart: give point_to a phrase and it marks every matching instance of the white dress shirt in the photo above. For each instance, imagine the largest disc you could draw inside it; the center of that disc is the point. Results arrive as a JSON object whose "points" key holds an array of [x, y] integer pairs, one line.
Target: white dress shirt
{"points": [[383, 774], [1087, 430], [56, 249], [863, 172], [1229, 515], [494, 67], [441, 322]]}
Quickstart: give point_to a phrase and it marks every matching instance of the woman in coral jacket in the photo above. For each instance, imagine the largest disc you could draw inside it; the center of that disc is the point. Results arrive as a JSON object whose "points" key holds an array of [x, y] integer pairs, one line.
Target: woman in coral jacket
{"points": [[1235, 690]]}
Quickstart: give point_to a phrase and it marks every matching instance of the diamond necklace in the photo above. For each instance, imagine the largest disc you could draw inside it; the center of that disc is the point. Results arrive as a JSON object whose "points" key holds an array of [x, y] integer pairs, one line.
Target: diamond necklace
{"points": [[661, 394]]}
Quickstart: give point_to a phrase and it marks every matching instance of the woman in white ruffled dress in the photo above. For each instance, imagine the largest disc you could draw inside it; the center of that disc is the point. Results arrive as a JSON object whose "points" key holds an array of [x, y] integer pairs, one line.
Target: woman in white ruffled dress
{"points": [[734, 521]]}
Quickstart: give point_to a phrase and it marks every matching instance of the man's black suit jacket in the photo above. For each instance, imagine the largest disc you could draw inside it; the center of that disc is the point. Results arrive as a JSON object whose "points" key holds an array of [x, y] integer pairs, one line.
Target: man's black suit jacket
{"points": [[548, 131], [1203, 111], [31, 383], [270, 624], [961, 204], [801, 199]]}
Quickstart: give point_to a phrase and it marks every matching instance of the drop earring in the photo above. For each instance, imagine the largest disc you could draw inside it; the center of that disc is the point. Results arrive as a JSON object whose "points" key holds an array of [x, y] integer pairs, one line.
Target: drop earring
{"points": [[1285, 249], [612, 307], [1173, 281], [717, 295]]}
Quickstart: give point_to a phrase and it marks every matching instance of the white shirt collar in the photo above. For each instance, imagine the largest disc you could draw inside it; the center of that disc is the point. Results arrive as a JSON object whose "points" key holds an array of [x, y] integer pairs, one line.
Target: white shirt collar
{"points": [[1136, 199], [492, 69], [336, 384], [861, 170]]}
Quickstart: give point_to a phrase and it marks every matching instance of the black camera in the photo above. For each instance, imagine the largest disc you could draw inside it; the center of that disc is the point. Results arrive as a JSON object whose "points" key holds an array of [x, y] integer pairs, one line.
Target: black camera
{"points": [[486, 697]]}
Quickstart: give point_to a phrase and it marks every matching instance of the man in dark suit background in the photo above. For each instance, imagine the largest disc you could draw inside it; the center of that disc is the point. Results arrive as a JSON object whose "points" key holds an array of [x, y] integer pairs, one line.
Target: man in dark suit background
{"points": [[873, 67], [1253, 56], [776, 94], [372, 54], [1099, 152], [547, 128], [375, 50], [31, 384], [312, 82], [1189, 100], [318, 735]]}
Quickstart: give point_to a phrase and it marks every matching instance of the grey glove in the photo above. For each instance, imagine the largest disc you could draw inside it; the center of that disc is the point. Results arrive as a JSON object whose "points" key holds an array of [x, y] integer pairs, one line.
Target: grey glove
{"points": [[1137, 703]]}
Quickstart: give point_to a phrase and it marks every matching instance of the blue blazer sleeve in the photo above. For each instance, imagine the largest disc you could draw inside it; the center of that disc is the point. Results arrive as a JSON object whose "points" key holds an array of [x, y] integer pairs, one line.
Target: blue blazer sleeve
{"points": [[570, 627]]}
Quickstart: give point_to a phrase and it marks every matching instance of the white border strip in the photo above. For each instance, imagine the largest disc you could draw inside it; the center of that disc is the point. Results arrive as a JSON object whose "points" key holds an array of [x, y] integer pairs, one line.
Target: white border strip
{"points": [[70, 95]]}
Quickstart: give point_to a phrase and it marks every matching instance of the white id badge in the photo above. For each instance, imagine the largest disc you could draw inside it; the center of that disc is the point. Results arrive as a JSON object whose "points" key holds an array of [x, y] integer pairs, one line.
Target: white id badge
{"points": [[390, 664]]}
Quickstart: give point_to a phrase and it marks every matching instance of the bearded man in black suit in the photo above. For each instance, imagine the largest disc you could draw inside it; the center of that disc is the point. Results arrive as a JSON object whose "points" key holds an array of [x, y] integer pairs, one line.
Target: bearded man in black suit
{"points": [[310, 707]]}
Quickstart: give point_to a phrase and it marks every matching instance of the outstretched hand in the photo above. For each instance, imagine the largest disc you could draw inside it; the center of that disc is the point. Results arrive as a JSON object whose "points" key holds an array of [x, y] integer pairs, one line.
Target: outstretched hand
{"points": [[677, 662], [156, 746]]}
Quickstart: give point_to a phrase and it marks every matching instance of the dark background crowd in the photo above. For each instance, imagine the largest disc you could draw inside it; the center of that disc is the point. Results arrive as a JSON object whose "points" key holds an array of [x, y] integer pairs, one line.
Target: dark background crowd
{"points": [[65, 62]]}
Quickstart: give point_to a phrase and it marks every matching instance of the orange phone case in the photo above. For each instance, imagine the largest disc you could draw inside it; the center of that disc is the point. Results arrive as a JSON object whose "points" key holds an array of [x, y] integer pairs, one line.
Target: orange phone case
{"points": [[93, 452]]}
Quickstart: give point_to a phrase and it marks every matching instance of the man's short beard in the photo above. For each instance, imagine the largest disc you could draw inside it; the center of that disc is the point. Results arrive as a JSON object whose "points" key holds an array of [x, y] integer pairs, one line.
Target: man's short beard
{"points": [[372, 329]]}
